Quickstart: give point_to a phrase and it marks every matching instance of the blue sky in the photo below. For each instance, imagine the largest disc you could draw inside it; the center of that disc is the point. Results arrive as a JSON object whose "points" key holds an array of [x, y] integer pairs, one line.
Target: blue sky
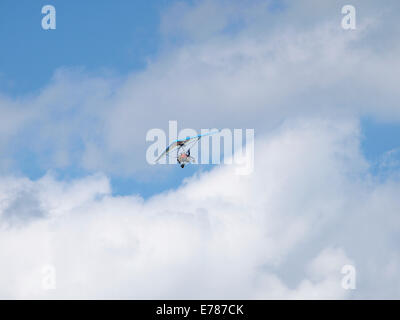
{"points": [[115, 35], [114, 38]]}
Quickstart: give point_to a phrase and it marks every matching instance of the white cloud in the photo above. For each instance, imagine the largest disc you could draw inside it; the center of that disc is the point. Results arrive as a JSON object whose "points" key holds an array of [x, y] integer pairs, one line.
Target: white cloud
{"points": [[266, 66], [283, 232]]}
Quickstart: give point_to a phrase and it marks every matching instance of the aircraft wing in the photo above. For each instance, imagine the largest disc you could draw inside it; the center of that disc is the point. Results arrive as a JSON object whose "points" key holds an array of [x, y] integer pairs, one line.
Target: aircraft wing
{"points": [[171, 147], [183, 142]]}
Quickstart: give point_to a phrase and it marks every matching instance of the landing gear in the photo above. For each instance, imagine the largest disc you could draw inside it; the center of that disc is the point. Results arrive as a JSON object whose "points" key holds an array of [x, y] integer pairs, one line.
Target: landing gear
{"points": [[182, 165]]}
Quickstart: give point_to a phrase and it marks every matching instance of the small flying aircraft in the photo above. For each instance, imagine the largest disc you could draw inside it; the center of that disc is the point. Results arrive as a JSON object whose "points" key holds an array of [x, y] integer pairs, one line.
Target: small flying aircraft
{"points": [[183, 149]]}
